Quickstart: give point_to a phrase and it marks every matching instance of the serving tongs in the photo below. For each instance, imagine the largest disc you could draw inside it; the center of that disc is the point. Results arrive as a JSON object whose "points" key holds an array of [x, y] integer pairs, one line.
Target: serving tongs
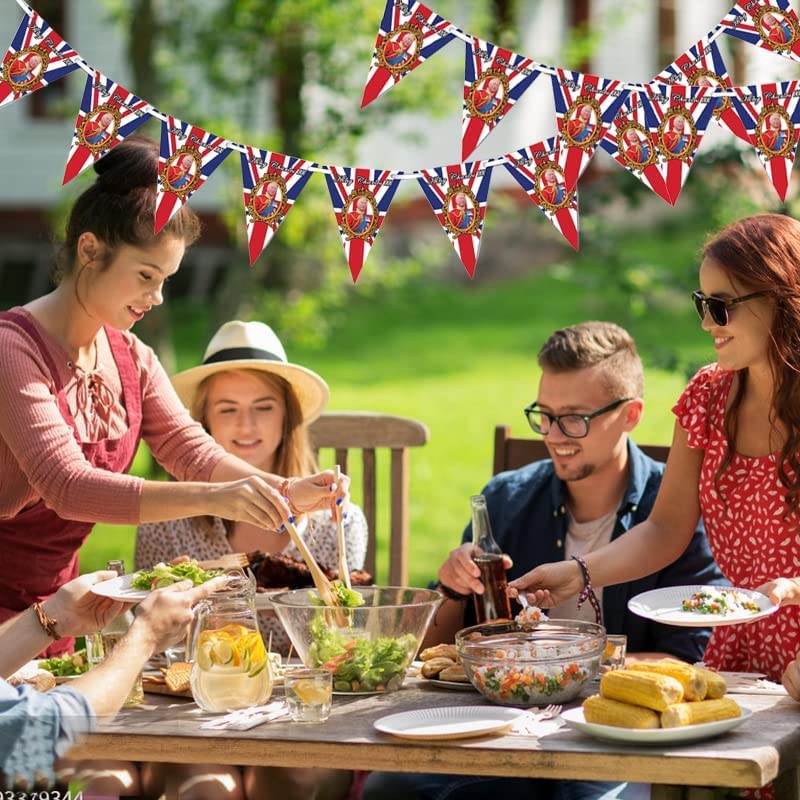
{"points": [[322, 584], [344, 572]]}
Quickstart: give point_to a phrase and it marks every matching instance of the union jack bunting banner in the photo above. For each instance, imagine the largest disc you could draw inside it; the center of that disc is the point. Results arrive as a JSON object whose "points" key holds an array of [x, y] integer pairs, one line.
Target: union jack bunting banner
{"points": [[770, 24], [272, 182], [361, 199], [632, 140], [539, 170], [458, 196], [585, 106], [409, 33], [770, 117], [494, 79], [108, 114], [702, 65], [188, 156], [37, 56], [683, 114]]}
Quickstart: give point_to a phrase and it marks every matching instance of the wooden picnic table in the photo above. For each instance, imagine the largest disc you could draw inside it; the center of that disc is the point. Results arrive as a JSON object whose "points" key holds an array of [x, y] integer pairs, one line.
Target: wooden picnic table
{"points": [[764, 748]]}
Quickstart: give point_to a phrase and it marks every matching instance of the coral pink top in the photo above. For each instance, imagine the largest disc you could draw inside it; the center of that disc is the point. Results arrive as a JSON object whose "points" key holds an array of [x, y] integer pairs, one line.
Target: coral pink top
{"points": [[749, 536], [39, 455]]}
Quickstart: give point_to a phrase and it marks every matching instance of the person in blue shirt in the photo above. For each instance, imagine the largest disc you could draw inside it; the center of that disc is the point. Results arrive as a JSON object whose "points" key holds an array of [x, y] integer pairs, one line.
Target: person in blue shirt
{"points": [[596, 485], [36, 728]]}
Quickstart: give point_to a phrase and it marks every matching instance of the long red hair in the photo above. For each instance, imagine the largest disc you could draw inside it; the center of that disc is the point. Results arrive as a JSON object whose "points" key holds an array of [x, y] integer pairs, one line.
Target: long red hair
{"points": [[762, 254]]}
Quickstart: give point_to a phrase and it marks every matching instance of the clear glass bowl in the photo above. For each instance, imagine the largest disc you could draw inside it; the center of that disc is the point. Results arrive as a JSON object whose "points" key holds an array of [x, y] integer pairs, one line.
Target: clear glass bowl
{"points": [[549, 664], [372, 649]]}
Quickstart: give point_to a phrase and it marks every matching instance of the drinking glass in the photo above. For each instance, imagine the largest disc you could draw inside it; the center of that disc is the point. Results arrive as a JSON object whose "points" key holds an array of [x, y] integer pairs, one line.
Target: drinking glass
{"points": [[613, 656], [308, 694]]}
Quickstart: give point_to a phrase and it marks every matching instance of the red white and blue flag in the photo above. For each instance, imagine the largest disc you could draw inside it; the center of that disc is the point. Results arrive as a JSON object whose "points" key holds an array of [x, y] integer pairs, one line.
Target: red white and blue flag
{"points": [[769, 24], [188, 156], [702, 65], [539, 170], [409, 33], [361, 199], [37, 57], [272, 182], [632, 140], [770, 117], [585, 106], [458, 196], [108, 114], [683, 114], [494, 79]]}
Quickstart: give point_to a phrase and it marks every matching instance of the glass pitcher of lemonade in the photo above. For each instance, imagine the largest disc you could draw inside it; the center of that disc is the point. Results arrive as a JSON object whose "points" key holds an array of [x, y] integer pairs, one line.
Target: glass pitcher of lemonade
{"points": [[230, 668]]}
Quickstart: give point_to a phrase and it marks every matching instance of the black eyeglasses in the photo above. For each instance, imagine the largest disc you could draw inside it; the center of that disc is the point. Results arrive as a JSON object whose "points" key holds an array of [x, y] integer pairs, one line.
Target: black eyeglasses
{"points": [[576, 426], [717, 307]]}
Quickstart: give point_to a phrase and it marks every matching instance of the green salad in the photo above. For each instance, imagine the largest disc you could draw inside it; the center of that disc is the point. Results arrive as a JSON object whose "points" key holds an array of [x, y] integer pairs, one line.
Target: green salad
{"points": [[360, 665], [165, 574], [347, 598], [64, 666]]}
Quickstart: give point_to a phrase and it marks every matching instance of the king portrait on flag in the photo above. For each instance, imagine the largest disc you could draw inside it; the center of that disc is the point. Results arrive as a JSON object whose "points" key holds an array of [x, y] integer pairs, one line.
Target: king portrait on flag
{"points": [[677, 134], [460, 211], [400, 48], [775, 132], [266, 199], [581, 127], [360, 217], [181, 172], [99, 128], [775, 29], [24, 68]]}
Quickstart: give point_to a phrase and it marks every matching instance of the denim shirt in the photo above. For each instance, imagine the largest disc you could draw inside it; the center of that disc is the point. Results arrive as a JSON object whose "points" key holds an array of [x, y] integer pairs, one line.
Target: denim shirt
{"points": [[528, 512], [35, 728]]}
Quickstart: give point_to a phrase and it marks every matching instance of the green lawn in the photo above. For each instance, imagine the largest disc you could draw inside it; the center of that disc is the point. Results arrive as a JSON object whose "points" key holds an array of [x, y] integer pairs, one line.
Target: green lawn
{"points": [[463, 359]]}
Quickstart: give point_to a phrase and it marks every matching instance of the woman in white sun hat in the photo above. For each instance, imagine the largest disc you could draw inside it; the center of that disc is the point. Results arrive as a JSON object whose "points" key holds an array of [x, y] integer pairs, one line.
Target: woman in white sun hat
{"points": [[257, 406]]}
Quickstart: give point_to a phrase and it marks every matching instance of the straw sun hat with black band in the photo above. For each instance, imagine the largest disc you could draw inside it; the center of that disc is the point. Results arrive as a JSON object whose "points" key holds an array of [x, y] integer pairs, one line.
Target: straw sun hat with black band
{"points": [[253, 345]]}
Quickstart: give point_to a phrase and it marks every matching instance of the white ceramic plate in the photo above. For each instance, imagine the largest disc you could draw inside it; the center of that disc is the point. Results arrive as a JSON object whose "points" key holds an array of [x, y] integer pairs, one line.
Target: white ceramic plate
{"points": [[664, 605], [657, 736], [119, 588], [451, 722]]}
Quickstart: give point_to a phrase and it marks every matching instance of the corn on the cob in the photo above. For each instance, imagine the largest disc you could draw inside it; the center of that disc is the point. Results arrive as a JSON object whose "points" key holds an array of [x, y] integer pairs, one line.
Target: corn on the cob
{"points": [[694, 684], [702, 711], [602, 711], [716, 686], [646, 689]]}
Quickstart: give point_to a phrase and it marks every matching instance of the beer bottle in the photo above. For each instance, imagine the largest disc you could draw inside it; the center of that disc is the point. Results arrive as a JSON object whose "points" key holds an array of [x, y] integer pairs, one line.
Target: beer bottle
{"points": [[494, 602]]}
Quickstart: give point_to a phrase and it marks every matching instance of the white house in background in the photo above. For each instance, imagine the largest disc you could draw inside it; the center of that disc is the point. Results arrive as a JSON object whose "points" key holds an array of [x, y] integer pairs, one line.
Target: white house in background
{"points": [[639, 38]]}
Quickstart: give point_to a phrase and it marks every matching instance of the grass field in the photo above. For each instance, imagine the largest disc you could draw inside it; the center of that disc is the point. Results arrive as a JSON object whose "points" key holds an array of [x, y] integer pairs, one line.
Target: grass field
{"points": [[463, 359]]}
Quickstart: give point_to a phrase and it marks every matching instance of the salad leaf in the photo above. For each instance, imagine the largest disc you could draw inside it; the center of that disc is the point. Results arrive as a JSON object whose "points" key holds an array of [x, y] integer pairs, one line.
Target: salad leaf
{"points": [[165, 574], [348, 598], [70, 664]]}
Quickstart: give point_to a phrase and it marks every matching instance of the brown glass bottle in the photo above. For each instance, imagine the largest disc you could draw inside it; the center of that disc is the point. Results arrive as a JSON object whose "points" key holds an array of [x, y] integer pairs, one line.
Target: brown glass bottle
{"points": [[494, 602]]}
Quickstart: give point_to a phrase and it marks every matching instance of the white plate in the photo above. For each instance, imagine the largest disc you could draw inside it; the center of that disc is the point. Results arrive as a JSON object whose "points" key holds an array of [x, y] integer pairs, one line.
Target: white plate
{"points": [[687, 733], [452, 722], [664, 605], [119, 588]]}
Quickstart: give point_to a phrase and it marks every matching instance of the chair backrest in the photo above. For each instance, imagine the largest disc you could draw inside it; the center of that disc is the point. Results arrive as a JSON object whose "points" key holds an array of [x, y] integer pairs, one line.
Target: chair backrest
{"points": [[368, 431], [511, 453]]}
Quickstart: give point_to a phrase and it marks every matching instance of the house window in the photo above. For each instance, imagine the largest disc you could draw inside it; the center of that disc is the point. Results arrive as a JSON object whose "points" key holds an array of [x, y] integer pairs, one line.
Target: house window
{"points": [[48, 103]]}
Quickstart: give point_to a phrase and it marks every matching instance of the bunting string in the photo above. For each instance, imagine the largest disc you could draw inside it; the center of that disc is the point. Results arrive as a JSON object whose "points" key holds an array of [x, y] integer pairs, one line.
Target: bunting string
{"points": [[653, 129]]}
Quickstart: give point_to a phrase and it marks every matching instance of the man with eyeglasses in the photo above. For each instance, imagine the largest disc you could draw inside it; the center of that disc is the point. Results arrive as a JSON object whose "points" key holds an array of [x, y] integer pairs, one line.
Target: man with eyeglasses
{"points": [[596, 485]]}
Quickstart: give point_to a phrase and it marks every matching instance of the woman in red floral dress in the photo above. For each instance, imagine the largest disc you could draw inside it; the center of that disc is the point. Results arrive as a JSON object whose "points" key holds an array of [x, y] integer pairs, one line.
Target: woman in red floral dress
{"points": [[735, 455]]}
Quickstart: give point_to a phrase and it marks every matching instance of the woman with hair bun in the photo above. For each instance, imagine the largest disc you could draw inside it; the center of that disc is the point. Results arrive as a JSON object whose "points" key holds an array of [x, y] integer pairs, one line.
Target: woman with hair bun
{"points": [[80, 391]]}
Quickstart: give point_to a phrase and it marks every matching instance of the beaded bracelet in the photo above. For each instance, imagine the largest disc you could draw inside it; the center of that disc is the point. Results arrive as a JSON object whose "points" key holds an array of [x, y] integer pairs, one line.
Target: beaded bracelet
{"points": [[588, 592], [48, 623], [283, 490], [451, 594]]}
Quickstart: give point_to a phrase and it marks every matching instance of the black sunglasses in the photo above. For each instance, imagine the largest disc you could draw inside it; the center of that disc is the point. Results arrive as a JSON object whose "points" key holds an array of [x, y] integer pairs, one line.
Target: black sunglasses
{"points": [[576, 426], [717, 307]]}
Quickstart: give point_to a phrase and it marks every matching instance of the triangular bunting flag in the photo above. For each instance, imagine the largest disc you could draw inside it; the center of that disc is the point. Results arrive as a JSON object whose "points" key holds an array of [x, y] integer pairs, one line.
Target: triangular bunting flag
{"points": [[494, 79], [585, 106], [188, 156], [770, 116], [770, 24], [539, 170], [683, 114], [702, 65], [632, 140], [108, 114], [272, 182], [458, 196], [409, 33], [361, 199], [37, 57]]}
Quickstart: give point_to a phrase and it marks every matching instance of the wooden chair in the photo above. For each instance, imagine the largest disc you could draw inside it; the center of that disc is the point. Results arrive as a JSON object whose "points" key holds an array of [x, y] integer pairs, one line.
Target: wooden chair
{"points": [[512, 453], [368, 431]]}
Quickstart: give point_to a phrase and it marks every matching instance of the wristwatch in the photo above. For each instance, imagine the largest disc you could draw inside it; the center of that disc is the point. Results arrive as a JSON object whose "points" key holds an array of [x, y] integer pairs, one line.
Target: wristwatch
{"points": [[449, 593]]}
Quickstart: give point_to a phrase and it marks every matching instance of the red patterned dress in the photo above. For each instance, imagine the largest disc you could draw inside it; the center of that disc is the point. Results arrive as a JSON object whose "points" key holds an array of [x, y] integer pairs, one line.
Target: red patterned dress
{"points": [[748, 534]]}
